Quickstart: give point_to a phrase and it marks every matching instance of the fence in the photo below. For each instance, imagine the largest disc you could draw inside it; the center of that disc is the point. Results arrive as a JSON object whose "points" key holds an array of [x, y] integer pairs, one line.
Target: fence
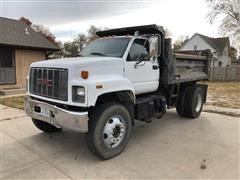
{"points": [[225, 73]]}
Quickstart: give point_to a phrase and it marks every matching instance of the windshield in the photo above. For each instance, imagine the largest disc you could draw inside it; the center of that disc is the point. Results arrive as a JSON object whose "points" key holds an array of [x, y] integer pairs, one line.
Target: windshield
{"points": [[110, 47]]}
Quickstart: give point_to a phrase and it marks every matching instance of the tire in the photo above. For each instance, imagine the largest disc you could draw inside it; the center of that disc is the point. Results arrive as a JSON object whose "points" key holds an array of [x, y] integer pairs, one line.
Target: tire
{"points": [[108, 122], [46, 127], [180, 102], [193, 102]]}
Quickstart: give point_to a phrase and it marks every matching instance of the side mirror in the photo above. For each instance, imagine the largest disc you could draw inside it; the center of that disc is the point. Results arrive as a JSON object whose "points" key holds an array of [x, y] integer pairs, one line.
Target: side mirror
{"points": [[155, 46]]}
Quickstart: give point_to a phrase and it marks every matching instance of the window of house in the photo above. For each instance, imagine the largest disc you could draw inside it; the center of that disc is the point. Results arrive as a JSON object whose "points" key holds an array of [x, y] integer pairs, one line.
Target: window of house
{"points": [[139, 49], [220, 64], [195, 47], [7, 57]]}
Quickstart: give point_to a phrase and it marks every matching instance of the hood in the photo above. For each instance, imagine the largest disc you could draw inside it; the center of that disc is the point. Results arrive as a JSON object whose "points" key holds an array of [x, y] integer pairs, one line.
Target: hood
{"points": [[75, 61], [95, 65]]}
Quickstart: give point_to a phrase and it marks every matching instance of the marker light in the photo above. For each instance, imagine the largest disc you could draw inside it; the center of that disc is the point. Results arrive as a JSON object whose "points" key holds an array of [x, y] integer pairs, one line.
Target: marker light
{"points": [[84, 74]]}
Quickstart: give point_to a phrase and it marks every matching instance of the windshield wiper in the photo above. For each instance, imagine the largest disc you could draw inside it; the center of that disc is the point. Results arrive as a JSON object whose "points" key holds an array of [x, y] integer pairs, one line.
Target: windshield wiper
{"points": [[98, 53]]}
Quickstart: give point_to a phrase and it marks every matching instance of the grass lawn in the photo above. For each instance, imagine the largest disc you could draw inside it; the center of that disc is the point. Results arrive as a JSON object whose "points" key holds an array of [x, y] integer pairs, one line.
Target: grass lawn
{"points": [[224, 94], [16, 102]]}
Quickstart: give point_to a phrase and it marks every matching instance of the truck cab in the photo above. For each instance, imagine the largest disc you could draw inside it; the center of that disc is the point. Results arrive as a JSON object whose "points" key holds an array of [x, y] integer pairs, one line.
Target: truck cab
{"points": [[127, 74]]}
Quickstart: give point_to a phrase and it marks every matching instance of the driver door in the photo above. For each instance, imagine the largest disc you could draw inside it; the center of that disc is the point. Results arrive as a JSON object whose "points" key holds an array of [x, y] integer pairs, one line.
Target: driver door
{"points": [[140, 70]]}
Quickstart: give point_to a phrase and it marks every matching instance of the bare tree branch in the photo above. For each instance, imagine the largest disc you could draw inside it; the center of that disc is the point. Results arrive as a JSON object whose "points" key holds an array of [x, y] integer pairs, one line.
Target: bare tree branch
{"points": [[229, 11]]}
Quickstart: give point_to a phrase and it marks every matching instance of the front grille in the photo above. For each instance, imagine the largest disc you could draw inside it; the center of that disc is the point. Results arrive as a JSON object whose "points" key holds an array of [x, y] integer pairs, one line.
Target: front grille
{"points": [[49, 82]]}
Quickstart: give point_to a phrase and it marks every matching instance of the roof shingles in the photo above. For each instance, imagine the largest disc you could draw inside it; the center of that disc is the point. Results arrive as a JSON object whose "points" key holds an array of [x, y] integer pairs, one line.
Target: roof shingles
{"points": [[218, 44], [17, 33]]}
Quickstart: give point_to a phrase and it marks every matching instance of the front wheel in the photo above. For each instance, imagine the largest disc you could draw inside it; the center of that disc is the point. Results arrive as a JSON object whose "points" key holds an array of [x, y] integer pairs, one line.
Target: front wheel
{"points": [[109, 130]]}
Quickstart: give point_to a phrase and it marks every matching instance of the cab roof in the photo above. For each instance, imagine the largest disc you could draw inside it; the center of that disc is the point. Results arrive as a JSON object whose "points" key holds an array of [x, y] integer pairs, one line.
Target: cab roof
{"points": [[146, 29]]}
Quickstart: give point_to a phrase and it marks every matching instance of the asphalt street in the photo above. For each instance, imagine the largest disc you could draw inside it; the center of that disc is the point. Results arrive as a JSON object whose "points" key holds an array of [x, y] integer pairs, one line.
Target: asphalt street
{"points": [[171, 147]]}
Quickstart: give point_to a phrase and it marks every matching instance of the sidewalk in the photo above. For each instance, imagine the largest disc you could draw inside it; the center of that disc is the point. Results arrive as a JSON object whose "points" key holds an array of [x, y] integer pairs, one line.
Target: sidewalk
{"points": [[8, 113], [222, 110]]}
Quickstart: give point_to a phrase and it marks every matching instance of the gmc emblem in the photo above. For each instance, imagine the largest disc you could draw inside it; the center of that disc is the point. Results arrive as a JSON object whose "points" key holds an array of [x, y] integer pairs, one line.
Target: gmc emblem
{"points": [[44, 82]]}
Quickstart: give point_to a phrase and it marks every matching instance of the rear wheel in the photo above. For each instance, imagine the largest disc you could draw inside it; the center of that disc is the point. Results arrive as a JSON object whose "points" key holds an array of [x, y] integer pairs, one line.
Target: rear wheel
{"points": [[46, 127], [109, 130], [193, 102], [180, 102]]}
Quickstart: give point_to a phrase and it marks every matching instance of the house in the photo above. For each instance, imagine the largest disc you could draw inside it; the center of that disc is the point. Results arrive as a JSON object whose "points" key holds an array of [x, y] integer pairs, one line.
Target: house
{"points": [[20, 45], [219, 47]]}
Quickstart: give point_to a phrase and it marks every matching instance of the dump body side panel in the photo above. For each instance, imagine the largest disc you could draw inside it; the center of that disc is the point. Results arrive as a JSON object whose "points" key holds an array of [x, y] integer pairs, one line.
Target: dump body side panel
{"points": [[183, 66], [190, 68]]}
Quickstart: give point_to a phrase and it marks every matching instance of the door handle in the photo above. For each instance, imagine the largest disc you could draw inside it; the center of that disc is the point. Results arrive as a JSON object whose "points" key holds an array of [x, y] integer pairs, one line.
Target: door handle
{"points": [[155, 67]]}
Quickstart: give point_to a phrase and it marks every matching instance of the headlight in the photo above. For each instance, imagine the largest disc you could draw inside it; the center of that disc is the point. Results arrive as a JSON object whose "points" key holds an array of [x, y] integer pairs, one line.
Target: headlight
{"points": [[81, 91], [78, 94]]}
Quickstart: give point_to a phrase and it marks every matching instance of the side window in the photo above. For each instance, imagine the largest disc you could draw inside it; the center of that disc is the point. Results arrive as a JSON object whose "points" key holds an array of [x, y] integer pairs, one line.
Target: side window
{"points": [[139, 50]]}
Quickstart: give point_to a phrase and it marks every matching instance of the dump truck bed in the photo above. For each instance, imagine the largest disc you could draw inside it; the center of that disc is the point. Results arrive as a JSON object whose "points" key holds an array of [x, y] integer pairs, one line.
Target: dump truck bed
{"points": [[184, 66], [190, 67]]}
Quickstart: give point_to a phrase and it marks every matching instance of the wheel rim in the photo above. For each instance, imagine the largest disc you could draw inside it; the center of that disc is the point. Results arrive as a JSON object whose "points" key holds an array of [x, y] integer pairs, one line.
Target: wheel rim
{"points": [[198, 102], [114, 131]]}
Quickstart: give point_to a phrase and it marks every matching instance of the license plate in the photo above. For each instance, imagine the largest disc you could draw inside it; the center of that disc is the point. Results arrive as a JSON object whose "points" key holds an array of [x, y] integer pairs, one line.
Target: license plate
{"points": [[44, 112]]}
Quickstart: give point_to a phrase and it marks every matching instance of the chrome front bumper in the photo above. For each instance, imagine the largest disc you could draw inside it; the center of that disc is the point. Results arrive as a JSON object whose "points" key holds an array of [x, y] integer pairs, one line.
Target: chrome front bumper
{"points": [[77, 121]]}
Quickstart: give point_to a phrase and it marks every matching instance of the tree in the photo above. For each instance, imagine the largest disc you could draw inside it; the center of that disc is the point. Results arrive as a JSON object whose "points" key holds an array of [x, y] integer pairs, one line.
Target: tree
{"points": [[70, 49], [73, 48], [179, 42], [230, 11], [44, 31], [26, 21], [91, 33], [60, 53], [233, 53], [81, 40]]}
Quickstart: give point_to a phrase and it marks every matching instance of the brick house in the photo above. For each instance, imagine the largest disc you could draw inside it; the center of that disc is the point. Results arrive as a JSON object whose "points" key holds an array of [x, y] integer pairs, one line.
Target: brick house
{"points": [[20, 45]]}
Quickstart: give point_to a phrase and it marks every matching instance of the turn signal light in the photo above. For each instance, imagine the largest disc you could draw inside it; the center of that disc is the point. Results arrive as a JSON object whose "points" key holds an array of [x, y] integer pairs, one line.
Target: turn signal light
{"points": [[99, 86], [84, 74]]}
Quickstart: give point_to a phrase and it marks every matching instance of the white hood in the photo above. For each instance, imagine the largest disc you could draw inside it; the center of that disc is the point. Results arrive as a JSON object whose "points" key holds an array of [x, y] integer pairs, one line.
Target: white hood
{"points": [[95, 65], [75, 61]]}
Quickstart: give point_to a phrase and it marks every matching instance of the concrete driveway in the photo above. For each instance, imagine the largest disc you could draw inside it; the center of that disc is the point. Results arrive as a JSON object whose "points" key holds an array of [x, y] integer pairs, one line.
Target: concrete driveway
{"points": [[172, 147]]}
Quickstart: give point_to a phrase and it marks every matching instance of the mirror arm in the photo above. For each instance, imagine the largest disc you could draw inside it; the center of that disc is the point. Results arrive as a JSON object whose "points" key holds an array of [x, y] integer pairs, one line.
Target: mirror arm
{"points": [[159, 45], [138, 62]]}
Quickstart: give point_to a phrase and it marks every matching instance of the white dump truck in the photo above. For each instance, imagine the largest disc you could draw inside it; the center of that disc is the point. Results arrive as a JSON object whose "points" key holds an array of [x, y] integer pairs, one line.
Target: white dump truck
{"points": [[127, 74]]}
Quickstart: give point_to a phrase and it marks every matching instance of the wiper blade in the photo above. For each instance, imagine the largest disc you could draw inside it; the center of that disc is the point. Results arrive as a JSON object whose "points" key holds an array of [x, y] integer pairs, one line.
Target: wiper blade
{"points": [[98, 53]]}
